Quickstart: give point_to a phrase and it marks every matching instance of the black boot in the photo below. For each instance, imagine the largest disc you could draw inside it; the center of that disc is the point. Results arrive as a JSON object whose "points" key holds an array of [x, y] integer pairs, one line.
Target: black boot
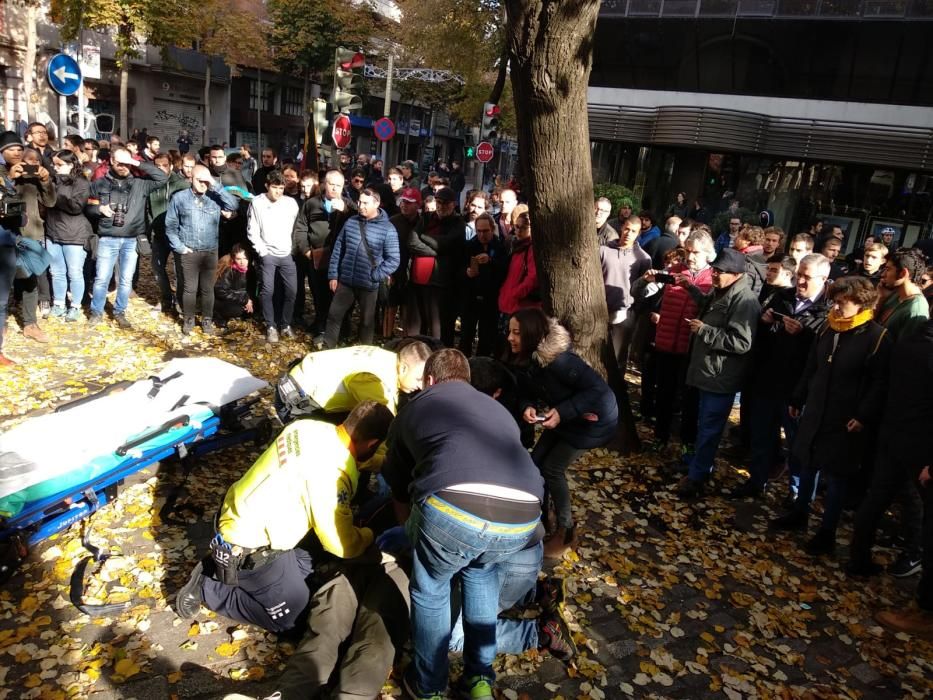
{"points": [[792, 521], [823, 542]]}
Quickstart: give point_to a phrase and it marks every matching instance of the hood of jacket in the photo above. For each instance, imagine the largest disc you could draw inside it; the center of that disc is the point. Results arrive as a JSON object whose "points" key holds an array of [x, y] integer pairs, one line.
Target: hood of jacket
{"points": [[556, 341]]}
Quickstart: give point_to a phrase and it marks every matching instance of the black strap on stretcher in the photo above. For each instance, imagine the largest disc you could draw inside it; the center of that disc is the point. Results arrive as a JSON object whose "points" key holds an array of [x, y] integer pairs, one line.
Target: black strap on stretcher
{"points": [[77, 577]]}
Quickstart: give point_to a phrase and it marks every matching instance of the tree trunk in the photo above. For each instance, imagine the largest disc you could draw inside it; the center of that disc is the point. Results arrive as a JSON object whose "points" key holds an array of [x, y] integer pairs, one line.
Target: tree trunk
{"points": [[29, 62], [551, 42], [124, 99], [207, 102], [551, 47]]}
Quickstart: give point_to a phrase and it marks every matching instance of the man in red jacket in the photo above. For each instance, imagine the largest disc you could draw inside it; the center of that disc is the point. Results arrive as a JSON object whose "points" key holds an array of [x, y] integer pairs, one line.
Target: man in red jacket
{"points": [[672, 339]]}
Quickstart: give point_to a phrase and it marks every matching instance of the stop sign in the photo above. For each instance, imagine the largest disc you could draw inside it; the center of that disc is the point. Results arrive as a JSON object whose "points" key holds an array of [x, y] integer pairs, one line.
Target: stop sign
{"points": [[484, 152], [340, 132]]}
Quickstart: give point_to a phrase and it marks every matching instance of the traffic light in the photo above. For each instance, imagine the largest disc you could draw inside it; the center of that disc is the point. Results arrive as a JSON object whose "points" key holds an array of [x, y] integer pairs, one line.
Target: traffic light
{"points": [[347, 81], [490, 127], [469, 152]]}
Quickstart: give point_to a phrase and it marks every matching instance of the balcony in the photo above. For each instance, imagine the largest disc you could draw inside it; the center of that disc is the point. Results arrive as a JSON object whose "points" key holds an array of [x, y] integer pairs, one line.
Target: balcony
{"points": [[772, 9]]}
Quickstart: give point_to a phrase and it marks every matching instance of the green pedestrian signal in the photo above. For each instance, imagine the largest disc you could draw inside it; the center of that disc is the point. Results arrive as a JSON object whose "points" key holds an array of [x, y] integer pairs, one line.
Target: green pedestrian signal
{"points": [[469, 152]]}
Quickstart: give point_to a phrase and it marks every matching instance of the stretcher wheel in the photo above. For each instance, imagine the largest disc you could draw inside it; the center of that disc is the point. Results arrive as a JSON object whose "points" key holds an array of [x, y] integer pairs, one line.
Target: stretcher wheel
{"points": [[13, 552]]}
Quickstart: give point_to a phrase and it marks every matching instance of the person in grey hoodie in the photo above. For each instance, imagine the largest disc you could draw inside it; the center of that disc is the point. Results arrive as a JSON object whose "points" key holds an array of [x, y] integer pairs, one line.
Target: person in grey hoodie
{"points": [[623, 262], [270, 222]]}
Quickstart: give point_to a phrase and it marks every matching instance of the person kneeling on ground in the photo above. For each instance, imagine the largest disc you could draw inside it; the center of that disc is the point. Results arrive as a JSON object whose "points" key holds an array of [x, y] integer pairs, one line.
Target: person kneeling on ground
{"points": [[232, 300], [255, 572], [333, 381]]}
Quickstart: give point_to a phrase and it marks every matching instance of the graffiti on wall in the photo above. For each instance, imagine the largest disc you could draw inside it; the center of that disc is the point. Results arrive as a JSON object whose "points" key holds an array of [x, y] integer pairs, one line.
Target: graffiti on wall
{"points": [[182, 121]]}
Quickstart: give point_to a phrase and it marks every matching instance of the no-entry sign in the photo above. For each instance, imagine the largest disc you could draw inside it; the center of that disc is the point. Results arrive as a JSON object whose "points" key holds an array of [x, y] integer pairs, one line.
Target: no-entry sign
{"points": [[484, 152], [341, 131]]}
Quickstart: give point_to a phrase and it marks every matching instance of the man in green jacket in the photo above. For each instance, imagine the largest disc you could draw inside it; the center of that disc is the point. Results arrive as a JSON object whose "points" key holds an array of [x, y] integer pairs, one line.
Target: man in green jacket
{"points": [[905, 309], [720, 353], [155, 224]]}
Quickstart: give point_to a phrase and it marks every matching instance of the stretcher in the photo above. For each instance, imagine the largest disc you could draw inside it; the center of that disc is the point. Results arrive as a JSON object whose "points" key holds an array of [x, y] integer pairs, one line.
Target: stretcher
{"points": [[60, 468]]}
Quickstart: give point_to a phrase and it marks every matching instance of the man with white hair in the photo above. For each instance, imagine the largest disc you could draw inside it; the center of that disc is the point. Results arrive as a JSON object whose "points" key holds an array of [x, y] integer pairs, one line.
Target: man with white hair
{"points": [[789, 323]]}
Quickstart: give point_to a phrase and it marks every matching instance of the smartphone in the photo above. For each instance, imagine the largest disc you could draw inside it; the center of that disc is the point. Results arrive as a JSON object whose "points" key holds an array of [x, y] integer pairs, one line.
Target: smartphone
{"points": [[540, 418], [665, 278], [30, 169], [777, 315]]}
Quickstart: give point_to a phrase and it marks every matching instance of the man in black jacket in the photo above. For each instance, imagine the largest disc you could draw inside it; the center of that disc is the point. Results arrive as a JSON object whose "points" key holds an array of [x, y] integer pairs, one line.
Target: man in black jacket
{"points": [[905, 448], [121, 197], [316, 227], [790, 320], [667, 241], [485, 269], [457, 465]]}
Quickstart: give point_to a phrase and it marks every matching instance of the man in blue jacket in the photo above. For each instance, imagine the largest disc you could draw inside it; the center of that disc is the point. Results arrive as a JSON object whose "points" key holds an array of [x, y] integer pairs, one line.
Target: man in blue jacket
{"points": [[365, 253]]}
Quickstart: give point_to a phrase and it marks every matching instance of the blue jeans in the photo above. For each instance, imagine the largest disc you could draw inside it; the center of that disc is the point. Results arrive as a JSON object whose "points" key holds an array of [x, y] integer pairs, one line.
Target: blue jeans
{"points": [[517, 576], [111, 250], [7, 274], [713, 416], [67, 271], [446, 542]]}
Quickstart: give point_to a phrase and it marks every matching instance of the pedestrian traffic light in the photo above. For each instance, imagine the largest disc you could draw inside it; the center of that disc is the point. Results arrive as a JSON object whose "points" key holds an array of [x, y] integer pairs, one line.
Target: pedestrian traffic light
{"points": [[490, 127], [348, 79], [469, 152]]}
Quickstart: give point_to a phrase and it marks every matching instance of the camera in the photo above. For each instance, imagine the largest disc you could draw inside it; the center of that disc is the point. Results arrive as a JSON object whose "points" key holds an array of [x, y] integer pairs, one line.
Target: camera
{"points": [[119, 214], [31, 170], [665, 278], [12, 210]]}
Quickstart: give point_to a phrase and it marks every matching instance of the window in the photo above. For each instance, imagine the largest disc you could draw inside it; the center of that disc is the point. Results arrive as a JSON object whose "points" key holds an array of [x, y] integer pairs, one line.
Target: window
{"points": [[294, 102], [261, 102]]}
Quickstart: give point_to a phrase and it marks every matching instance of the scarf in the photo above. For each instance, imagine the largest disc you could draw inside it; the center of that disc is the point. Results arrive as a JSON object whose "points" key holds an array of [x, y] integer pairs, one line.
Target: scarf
{"points": [[239, 269], [841, 325]]}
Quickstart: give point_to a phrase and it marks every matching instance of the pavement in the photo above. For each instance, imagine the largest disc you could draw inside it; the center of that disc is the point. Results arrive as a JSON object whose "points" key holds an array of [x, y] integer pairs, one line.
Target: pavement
{"points": [[666, 599]]}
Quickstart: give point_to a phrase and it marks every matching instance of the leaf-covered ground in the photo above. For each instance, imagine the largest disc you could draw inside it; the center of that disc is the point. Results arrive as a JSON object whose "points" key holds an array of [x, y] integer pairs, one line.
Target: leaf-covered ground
{"points": [[666, 599]]}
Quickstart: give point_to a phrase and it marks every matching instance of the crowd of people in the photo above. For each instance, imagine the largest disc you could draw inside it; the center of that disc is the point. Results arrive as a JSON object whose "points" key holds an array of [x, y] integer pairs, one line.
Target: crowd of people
{"points": [[384, 533]]}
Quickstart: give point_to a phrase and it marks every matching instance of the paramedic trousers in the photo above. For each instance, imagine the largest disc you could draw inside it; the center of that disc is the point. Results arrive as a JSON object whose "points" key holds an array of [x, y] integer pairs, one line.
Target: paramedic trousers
{"points": [[273, 596]]}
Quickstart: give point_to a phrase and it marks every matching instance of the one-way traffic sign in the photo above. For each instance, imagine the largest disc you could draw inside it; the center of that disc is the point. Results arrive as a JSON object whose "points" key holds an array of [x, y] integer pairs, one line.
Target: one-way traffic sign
{"points": [[64, 74]]}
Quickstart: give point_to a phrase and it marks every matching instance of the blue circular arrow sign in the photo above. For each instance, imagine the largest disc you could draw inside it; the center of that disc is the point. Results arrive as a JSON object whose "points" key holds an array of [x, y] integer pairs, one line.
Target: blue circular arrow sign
{"points": [[64, 74], [384, 129]]}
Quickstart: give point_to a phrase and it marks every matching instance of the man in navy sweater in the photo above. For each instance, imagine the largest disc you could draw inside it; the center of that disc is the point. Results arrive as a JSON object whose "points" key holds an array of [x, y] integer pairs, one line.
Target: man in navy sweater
{"points": [[457, 465]]}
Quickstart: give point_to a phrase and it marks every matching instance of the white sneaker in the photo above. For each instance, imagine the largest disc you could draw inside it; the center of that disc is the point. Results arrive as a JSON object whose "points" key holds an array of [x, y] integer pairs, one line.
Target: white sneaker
{"points": [[237, 696]]}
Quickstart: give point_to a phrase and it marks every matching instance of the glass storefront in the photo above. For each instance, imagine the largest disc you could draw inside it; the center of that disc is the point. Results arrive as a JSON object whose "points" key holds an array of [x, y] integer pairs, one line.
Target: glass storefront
{"points": [[862, 199]]}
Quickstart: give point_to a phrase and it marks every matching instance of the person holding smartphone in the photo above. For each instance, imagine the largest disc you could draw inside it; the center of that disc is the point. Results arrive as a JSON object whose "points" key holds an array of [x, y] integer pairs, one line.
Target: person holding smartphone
{"points": [[24, 177]]}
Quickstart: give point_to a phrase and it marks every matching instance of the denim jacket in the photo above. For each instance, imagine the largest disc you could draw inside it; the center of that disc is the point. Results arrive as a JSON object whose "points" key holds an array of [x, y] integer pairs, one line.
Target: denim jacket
{"points": [[193, 221]]}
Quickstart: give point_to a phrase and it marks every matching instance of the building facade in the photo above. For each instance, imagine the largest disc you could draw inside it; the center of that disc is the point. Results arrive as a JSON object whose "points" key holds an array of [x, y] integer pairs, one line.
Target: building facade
{"points": [[808, 108]]}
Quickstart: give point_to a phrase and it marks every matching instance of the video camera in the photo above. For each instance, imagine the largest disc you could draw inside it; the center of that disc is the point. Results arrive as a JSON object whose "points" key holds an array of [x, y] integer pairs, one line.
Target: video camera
{"points": [[12, 210]]}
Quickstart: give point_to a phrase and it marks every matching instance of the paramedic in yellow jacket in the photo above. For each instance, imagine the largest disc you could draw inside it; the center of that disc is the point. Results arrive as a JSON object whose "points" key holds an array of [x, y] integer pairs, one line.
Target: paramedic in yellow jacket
{"points": [[304, 481], [334, 381]]}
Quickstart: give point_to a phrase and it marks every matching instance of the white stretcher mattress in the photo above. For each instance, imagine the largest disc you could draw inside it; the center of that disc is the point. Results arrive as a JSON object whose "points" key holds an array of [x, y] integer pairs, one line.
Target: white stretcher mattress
{"points": [[48, 446]]}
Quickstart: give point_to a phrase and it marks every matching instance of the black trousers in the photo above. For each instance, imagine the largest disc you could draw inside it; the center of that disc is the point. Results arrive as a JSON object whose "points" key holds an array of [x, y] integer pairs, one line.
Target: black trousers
{"points": [[891, 480], [321, 294], [484, 313], [671, 376], [274, 596], [198, 270], [341, 304], [423, 310]]}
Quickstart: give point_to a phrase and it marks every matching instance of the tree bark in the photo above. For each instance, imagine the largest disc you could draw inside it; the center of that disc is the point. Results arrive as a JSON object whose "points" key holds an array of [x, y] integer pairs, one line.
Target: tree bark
{"points": [[29, 62], [124, 98], [551, 47], [207, 102], [551, 43]]}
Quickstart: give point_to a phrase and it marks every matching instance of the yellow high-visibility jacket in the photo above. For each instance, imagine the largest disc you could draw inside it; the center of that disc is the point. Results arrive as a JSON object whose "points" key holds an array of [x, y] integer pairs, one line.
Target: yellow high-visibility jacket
{"points": [[303, 481], [339, 379]]}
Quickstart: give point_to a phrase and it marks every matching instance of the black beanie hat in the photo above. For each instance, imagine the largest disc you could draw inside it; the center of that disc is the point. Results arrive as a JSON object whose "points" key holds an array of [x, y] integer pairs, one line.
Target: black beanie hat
{"points": [[9, 138]]}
